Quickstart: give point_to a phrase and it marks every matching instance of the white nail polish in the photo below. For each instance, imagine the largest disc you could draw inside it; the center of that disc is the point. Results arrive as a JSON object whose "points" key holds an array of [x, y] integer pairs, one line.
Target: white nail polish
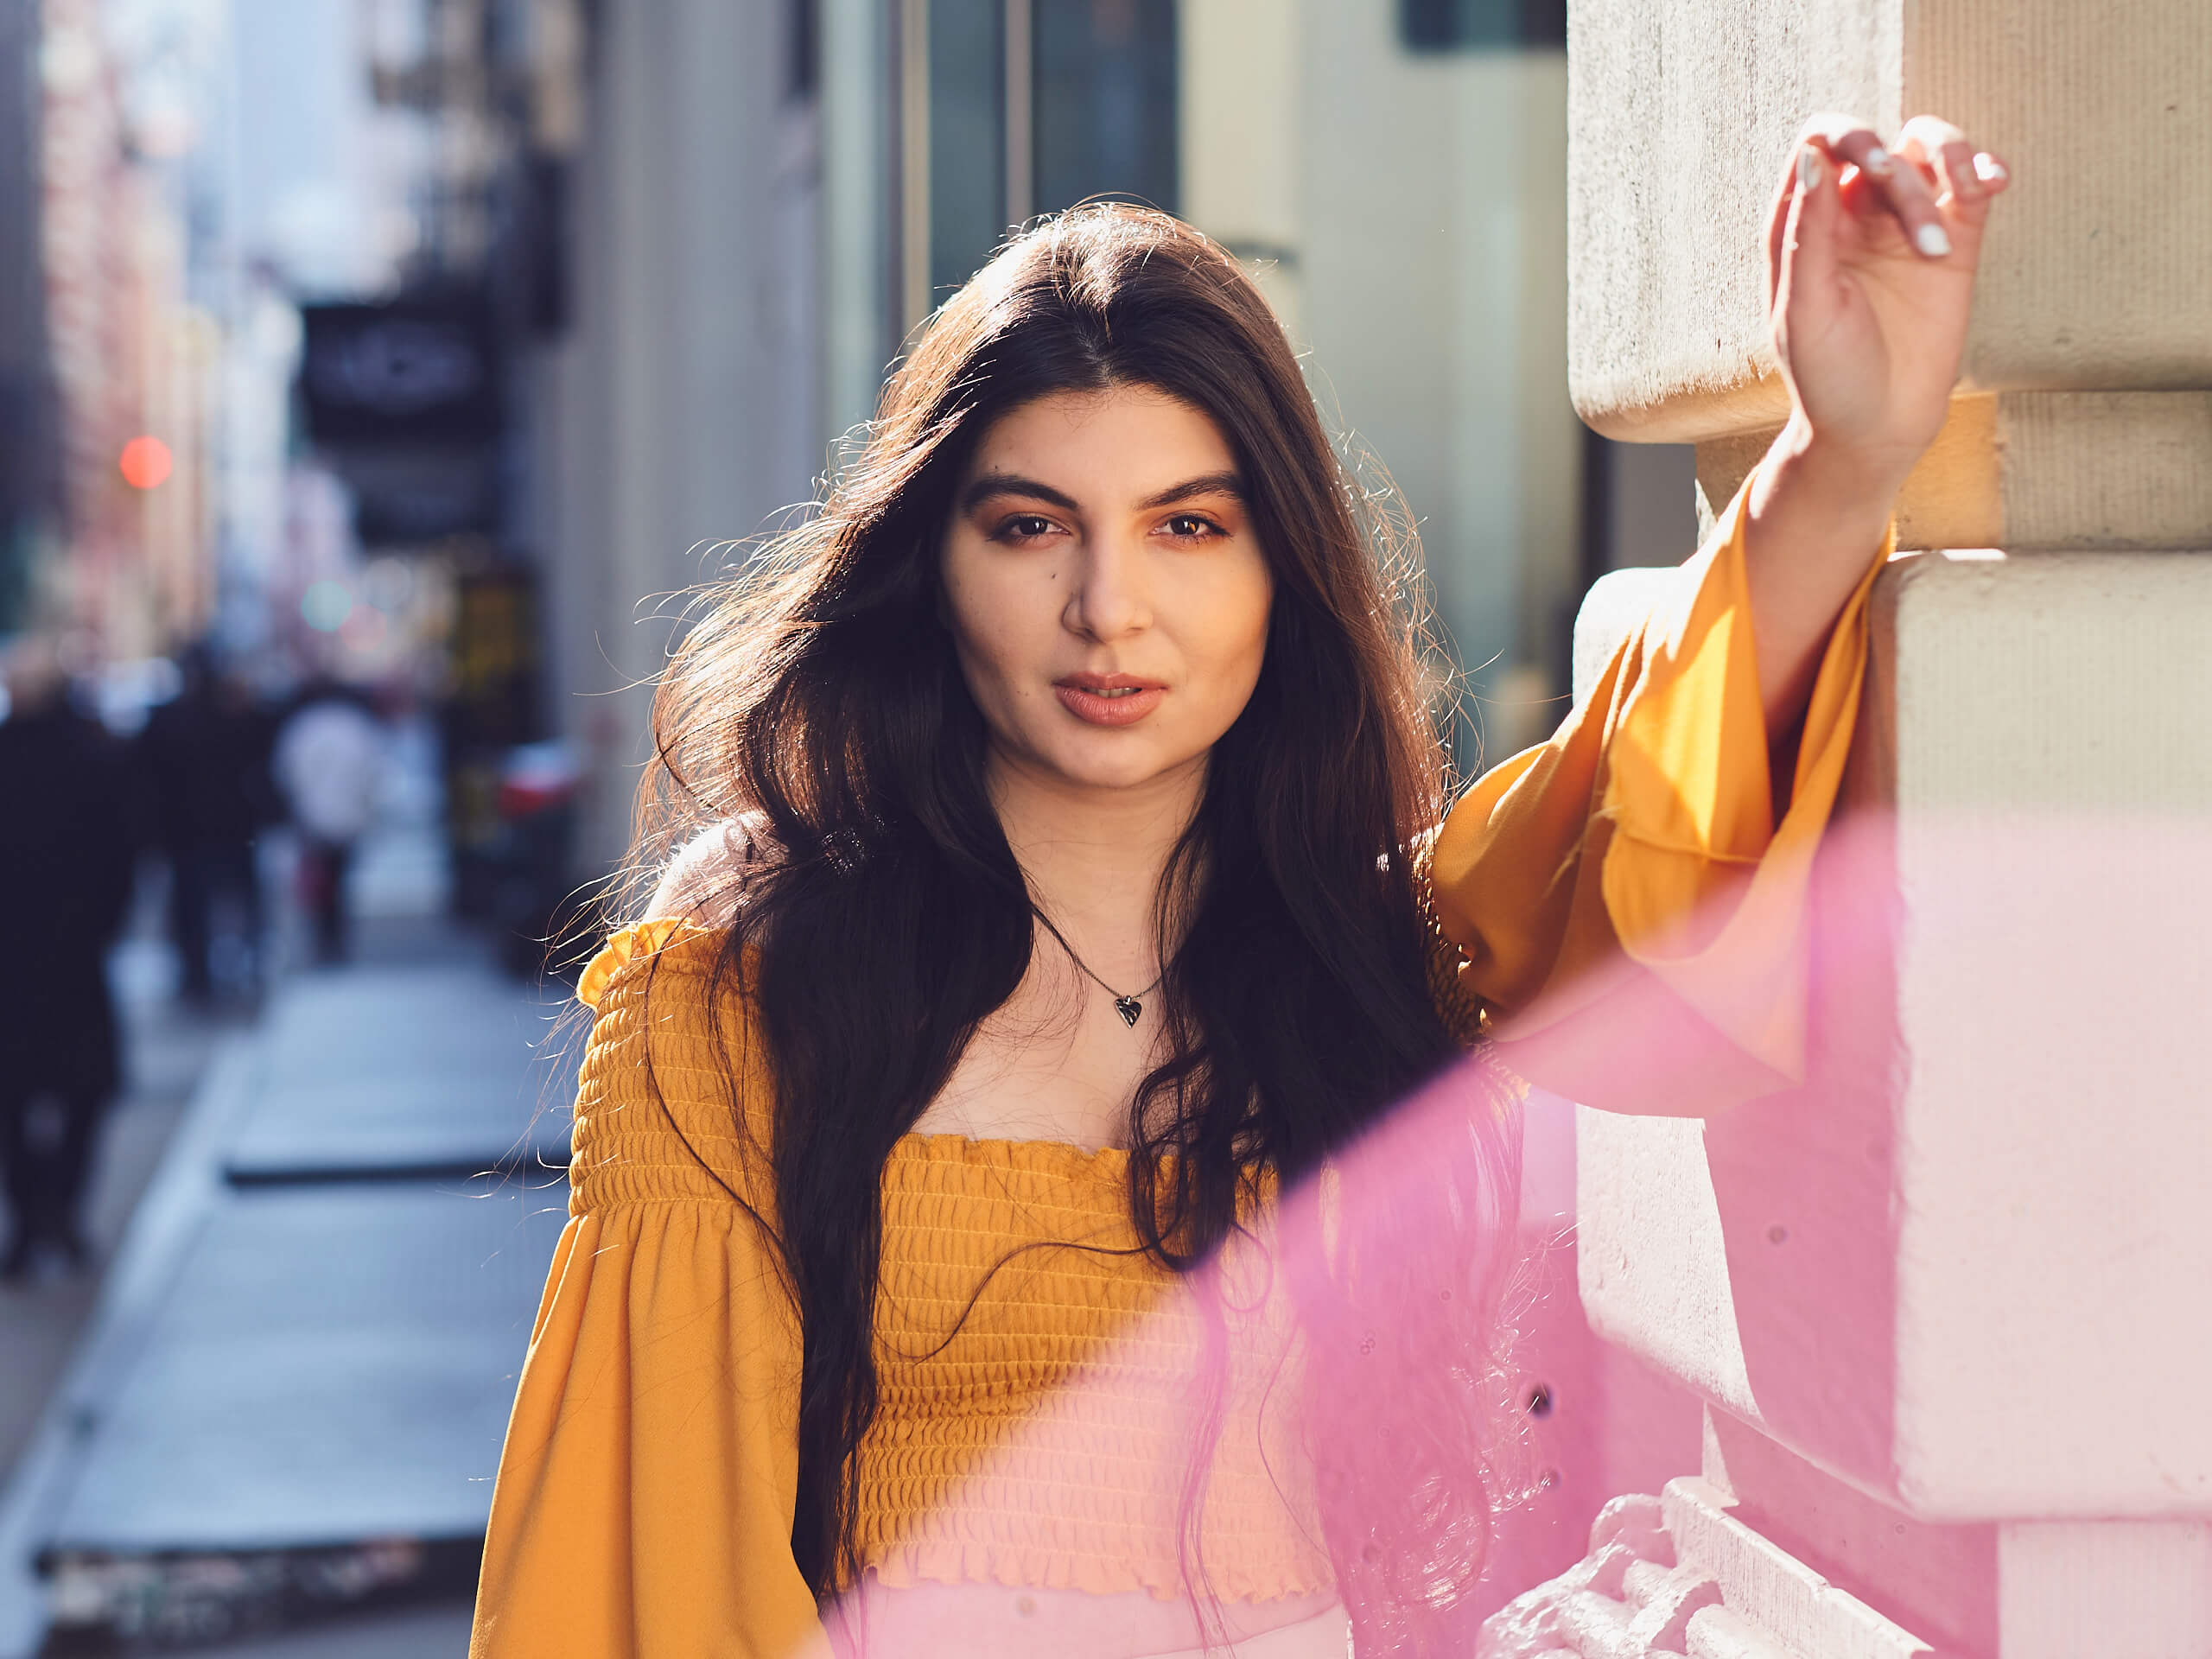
{"points": [[1876, 162], [1809, 170], [1932, 240], [1988, 169]]}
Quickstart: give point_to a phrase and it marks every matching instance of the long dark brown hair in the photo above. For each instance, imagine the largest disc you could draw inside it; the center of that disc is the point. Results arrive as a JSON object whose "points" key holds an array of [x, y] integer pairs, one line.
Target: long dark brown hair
{"points": [[884, 916]]}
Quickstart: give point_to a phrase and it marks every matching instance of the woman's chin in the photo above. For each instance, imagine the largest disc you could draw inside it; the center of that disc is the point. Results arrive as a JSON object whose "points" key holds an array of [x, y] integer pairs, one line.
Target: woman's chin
{"points": [[1111, 762]]}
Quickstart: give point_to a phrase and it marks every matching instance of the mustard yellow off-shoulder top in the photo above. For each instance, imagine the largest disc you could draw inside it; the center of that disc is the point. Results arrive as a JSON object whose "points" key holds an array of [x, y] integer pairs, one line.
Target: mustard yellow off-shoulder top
{"points": [[644, 1499]]}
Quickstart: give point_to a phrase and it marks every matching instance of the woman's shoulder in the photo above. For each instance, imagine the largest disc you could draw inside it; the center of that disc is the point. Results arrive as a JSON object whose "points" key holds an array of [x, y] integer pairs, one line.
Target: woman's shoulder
{"points": [[703, 883], [686, 922], [635, 960], [673, 1101]]}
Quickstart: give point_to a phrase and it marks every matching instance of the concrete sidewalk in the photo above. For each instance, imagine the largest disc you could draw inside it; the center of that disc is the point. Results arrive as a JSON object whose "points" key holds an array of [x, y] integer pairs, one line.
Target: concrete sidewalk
{"points": [[291, 1399]]}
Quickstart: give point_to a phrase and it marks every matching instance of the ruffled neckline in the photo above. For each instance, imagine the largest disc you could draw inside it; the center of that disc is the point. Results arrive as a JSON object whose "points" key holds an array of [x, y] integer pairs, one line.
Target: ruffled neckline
{"points": [[643, 941], [635, 942]]}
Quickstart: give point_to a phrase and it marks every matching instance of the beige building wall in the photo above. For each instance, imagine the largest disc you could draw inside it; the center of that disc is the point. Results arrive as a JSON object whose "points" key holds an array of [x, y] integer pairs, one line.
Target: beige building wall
{"points": [[1240, 130], [680, 411], [1405, 213], [1907, 1288]]}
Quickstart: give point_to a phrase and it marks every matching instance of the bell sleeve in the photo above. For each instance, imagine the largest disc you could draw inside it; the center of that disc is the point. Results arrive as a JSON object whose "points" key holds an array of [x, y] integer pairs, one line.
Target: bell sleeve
{"points": [[1632, 913], [644, 1499]]}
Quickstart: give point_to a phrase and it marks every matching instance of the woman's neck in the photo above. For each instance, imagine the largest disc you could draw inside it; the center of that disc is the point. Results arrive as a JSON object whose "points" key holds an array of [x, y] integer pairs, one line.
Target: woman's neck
{"points": [[1094, 857]]}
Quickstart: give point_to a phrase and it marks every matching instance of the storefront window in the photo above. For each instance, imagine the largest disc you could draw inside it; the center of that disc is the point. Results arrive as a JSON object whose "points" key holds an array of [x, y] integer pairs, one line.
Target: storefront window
{"points": [[967, 138], [1079, 96], [1471, 25], [1104, 93]]}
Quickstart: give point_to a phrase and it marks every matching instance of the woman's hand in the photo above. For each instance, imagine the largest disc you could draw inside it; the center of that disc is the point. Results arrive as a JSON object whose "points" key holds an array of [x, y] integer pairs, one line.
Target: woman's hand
{"points": [[1871, 260]]}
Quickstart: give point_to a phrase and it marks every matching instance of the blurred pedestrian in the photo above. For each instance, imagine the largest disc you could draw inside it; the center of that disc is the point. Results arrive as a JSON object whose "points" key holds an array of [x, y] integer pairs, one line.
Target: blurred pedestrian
{"points": [[205, 756], [329, 762], [68, 842]]}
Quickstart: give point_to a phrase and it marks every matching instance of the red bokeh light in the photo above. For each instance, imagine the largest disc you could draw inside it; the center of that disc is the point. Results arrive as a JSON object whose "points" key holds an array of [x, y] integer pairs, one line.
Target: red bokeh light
{"points": [[145, 462]]}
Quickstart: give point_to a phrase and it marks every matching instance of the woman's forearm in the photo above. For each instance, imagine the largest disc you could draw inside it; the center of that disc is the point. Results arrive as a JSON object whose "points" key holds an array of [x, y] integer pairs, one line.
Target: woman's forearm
{"points": [[1814, 519]]}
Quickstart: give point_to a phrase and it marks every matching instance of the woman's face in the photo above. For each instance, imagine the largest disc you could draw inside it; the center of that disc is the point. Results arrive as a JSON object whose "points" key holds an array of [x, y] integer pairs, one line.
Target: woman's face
{"points": [[1105, 591]]}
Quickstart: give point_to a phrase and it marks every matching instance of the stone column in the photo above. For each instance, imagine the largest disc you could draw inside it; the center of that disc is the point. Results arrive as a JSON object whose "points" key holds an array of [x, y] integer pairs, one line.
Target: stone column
{"points": [[1951, 1304]]}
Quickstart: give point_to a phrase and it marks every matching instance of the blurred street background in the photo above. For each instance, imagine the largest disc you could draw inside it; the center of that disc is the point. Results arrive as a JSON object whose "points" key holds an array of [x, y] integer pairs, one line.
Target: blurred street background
{"points": [[376, 377]]}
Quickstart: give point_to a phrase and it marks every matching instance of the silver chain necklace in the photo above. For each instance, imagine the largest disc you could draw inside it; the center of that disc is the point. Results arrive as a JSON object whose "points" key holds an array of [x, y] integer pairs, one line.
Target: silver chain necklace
{"points": [[1127, 1005]]}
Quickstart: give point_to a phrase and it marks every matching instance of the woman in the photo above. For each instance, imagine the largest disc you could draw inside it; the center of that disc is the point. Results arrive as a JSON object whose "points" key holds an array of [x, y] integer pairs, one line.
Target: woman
{"points": [[989, 1232]]}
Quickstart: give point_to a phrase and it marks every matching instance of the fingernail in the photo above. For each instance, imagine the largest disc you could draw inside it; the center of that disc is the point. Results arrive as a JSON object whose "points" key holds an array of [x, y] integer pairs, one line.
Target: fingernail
{"points": [[1932, 240], [1809, 170], [1876, 162], [1989, 169]]}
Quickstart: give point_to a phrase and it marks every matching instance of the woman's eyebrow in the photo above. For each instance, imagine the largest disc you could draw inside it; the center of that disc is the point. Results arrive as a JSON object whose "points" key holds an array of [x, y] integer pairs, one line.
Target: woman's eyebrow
{"points": [[1223, 483], [988, 484]]}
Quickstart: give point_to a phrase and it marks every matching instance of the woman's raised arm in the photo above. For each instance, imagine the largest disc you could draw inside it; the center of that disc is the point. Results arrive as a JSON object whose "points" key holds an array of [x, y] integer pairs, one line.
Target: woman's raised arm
{"points": [[1631, 898], [1871, 258]]}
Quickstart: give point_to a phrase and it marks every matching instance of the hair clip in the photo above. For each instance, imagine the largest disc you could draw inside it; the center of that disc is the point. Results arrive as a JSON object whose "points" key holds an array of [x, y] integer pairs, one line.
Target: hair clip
{"points": [[844, 849]]}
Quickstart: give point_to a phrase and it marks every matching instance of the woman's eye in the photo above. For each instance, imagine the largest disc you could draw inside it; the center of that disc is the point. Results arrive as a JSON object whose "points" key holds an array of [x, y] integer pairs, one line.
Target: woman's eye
{"points": [[1189, 526], [1024, 527]]}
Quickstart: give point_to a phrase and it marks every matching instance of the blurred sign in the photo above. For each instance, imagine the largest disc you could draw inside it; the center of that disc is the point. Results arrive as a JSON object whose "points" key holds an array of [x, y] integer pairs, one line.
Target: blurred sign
{"points": [[1480, 25], [411, 496], [492, 707], [404, 400], [411, 372], [495, 665]]}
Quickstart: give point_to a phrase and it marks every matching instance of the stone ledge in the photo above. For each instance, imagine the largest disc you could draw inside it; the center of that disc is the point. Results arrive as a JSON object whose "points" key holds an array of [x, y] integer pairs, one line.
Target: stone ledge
{"points": [[1702, 1586], [1771, 1595], [2027, 471]]}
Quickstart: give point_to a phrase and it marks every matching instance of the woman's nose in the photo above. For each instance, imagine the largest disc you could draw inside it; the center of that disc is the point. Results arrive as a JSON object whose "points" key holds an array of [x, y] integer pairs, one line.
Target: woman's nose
{"points": [[1111, 598]]}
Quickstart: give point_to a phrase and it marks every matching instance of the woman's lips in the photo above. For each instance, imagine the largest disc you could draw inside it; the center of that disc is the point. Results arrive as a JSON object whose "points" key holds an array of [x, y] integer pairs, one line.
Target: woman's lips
{"points": [[1108, 699]]}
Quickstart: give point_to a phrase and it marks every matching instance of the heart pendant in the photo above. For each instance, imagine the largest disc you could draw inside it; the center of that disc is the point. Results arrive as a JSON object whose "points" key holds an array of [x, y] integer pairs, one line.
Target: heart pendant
{"points": [[1128, 1008]]}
